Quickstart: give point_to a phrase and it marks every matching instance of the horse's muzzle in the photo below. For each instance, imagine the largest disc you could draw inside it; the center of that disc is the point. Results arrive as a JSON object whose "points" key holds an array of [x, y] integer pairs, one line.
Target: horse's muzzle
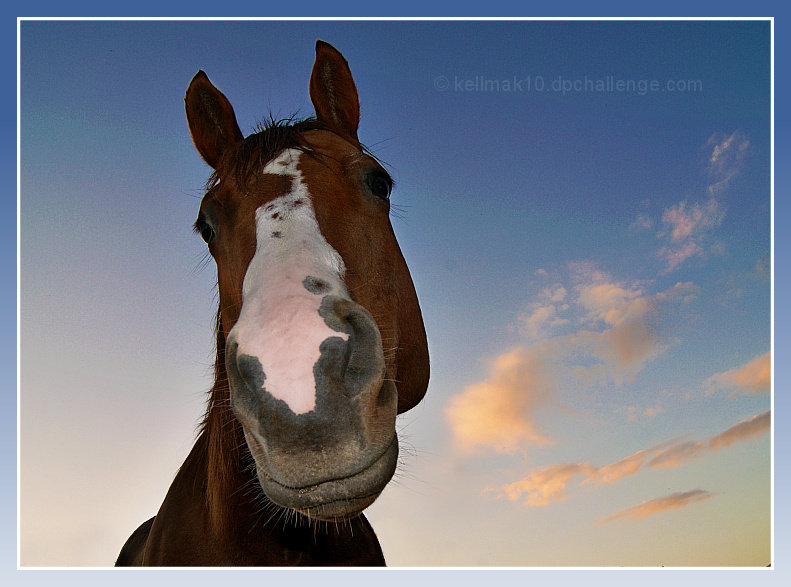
{"points": [[332, 461]]}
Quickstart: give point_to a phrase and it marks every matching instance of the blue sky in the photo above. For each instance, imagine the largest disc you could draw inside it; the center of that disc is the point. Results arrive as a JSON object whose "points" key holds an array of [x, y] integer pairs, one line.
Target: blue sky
{"points": [[593, 268]]}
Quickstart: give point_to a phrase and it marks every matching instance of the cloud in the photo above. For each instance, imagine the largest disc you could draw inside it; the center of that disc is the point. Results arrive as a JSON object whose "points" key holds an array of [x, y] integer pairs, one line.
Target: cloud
{"points": [[542, 314], [620, 469], [546, 484], [686, 222], [726, 158], [611, 303], [550, 483], [744, 430], [686, 231], [677, 454], [673, 501], [536, 324], [583, 272], [556, 294], [628, 345], [616, 334], [681, 292], [686, 228], [499, 413], [675, 256], [752, 378], [633, 413], [683, 452], [763, 268], [628, 317], [642, 222]]}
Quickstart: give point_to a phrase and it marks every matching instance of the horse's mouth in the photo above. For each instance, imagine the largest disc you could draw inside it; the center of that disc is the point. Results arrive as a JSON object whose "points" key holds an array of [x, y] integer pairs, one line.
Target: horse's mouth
{"points": [[335, 499]]}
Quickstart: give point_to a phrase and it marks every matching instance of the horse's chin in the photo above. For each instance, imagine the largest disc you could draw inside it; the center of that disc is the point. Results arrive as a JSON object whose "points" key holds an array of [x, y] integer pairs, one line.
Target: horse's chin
{"points": [[338, 511], [336, 499]]}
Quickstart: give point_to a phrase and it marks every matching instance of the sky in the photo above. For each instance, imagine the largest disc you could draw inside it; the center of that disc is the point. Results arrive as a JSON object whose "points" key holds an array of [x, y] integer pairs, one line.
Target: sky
{"points": [[585, 208]]}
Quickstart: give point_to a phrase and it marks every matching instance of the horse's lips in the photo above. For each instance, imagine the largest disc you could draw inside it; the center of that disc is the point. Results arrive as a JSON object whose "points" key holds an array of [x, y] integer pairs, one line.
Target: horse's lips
{"points": [[335, 499]]}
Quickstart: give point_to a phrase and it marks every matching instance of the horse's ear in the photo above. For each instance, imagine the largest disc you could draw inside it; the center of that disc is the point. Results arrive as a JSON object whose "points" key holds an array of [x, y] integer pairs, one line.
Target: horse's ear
{"points": [[333, 92], [211, 119]]}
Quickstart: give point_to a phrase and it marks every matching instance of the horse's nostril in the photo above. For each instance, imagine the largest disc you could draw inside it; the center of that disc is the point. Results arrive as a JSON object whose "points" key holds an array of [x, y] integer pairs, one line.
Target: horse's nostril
{"points": [[344, 315], [251, 372], [348, 362], [363, 366]]}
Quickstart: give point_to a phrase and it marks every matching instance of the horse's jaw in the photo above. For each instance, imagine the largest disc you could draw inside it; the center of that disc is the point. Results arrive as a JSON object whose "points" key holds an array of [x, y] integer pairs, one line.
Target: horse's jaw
{"points": [[333, 499]]}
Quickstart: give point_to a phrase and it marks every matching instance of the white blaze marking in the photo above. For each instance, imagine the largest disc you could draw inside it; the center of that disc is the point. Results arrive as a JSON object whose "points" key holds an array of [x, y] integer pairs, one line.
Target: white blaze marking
{"points": [[280, 322]]}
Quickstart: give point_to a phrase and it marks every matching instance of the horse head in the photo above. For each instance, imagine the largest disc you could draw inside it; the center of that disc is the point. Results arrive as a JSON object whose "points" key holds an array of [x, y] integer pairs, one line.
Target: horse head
{"points": [[319, 323]]}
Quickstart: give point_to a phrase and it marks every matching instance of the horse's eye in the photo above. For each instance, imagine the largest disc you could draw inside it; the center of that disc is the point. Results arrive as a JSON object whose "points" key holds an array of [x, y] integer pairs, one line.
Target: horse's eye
{"points": [[205, 230], [380, 185], [207, 234]]}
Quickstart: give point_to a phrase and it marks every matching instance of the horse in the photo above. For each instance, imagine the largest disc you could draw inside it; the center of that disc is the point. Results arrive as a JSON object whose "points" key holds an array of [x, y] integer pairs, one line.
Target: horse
{"points": [[319, 336]]}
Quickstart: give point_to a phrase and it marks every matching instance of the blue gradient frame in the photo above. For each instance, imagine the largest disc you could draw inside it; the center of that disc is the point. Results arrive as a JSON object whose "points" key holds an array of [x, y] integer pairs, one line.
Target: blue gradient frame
{"points": [[782, 442]]}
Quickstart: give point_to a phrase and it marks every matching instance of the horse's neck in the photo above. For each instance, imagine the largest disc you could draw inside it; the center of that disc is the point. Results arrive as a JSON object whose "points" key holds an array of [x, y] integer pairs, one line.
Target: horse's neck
{"points": [[215, 514], [207, 508], [222, 446]]}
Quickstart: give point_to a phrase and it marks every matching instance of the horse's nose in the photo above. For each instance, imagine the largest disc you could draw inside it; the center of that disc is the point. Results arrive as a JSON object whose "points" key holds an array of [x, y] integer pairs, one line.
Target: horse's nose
{"points": [[303, 370], [356, 365], [315, 395], [352, 419]]}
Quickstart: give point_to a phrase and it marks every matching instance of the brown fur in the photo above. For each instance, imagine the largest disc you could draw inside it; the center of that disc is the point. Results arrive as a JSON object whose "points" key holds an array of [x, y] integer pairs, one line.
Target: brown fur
{"points": [[215, 512]]}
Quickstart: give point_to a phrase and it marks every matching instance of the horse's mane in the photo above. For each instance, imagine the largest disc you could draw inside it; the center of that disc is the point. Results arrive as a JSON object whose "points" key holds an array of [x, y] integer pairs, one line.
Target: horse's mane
{"points": [[270, 137]]}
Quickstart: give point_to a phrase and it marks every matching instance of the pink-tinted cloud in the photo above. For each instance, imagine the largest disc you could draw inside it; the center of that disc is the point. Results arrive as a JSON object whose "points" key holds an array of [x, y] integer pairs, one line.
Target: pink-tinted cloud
{"points": [[675, 255], [498, 413], [681, 453], [536, 324], [612, 303], [726, 158], [678, 454], [546, 484], [543, 315], [752, 378], [744, 430], [683, 292], [673, 501], [620, 469], [627, 316], [616, 335], [633, 413], [550, 483], [685, 222], [687, 230], [629, 344]]}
